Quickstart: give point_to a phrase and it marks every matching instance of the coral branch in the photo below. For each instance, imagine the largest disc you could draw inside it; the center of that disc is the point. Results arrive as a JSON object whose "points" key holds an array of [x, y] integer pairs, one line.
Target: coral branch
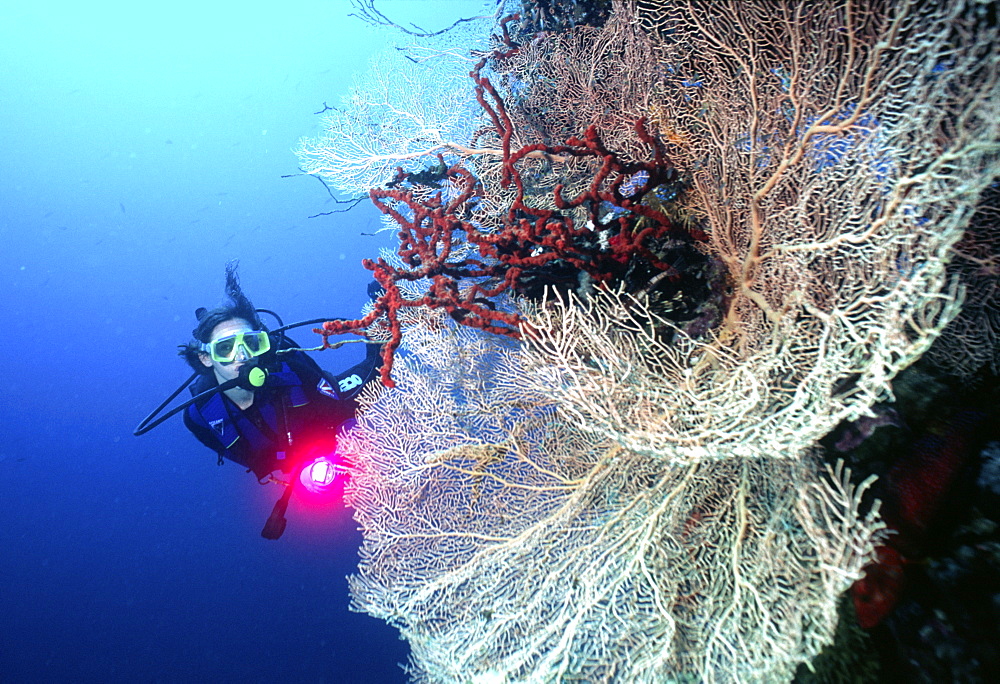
{"points": [[535, 248]]}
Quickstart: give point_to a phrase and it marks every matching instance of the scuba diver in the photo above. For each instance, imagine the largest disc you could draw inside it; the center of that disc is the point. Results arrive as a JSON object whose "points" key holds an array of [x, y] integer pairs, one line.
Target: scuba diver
{"points": [[260, 401]]}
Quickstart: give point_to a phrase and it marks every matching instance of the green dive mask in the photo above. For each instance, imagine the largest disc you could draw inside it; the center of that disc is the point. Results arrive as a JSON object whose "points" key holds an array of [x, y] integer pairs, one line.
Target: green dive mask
{"points": [[225, 349]]}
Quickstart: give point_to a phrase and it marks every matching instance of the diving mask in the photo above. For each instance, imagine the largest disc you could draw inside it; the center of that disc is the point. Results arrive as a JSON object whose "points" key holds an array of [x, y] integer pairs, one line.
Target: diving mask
{"points": [[225, 349]]}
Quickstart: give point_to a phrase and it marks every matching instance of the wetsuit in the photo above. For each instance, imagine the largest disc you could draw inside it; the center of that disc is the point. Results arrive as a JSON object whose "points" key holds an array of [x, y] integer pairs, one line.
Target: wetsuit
{"points": [[298, 398]]}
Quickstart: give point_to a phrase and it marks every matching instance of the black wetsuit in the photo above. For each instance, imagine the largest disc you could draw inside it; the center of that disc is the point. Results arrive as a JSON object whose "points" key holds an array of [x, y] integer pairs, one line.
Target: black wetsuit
{"points": [[300, 399]]}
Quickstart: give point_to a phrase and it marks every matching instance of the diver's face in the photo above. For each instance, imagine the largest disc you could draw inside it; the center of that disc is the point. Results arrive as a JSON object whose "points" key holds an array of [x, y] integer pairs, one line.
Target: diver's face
{"points": [[227, 371]]}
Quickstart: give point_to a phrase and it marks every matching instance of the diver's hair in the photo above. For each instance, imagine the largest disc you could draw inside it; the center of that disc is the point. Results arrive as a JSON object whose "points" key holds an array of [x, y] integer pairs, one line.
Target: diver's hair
{"points": [[238, 306]]}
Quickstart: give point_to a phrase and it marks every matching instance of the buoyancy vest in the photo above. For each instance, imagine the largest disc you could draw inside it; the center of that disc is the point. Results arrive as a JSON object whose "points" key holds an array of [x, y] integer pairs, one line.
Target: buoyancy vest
{"points": [[227, 425]]}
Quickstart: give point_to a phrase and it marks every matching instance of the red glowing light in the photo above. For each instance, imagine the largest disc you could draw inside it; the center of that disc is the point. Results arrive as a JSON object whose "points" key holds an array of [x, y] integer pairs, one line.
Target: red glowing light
{"points": [[318, 474]]}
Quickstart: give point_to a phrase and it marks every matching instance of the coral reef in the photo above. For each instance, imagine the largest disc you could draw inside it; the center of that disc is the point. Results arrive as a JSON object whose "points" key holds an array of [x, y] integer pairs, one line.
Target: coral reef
{"points": [[632, 490], [562, 15], [537, 251]]}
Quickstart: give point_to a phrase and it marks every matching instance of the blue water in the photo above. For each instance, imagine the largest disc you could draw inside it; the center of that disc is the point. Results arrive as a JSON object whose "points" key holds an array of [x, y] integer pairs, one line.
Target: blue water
{"points": [[141, 148]]}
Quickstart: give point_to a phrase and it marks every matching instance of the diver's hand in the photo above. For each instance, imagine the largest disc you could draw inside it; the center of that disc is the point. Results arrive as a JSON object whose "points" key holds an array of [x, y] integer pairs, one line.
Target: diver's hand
{"points": [[375, 290]]}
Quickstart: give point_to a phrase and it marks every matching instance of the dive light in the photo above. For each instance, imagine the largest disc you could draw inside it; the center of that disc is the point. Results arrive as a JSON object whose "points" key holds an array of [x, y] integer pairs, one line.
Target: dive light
{"points": [[318, 474]]}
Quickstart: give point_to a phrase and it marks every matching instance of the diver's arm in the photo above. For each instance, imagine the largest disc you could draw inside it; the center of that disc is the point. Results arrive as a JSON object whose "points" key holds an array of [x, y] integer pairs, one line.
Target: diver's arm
{"points": [[342, 386], [349, 383]]}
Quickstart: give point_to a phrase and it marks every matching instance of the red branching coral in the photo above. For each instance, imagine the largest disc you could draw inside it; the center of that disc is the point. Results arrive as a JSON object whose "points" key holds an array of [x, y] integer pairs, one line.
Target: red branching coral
{"points": [[532, 245]]}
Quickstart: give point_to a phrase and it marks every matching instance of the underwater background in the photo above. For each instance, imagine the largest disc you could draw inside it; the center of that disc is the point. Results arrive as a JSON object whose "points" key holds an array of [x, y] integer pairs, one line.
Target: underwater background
{"points": [[143, 148]]}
